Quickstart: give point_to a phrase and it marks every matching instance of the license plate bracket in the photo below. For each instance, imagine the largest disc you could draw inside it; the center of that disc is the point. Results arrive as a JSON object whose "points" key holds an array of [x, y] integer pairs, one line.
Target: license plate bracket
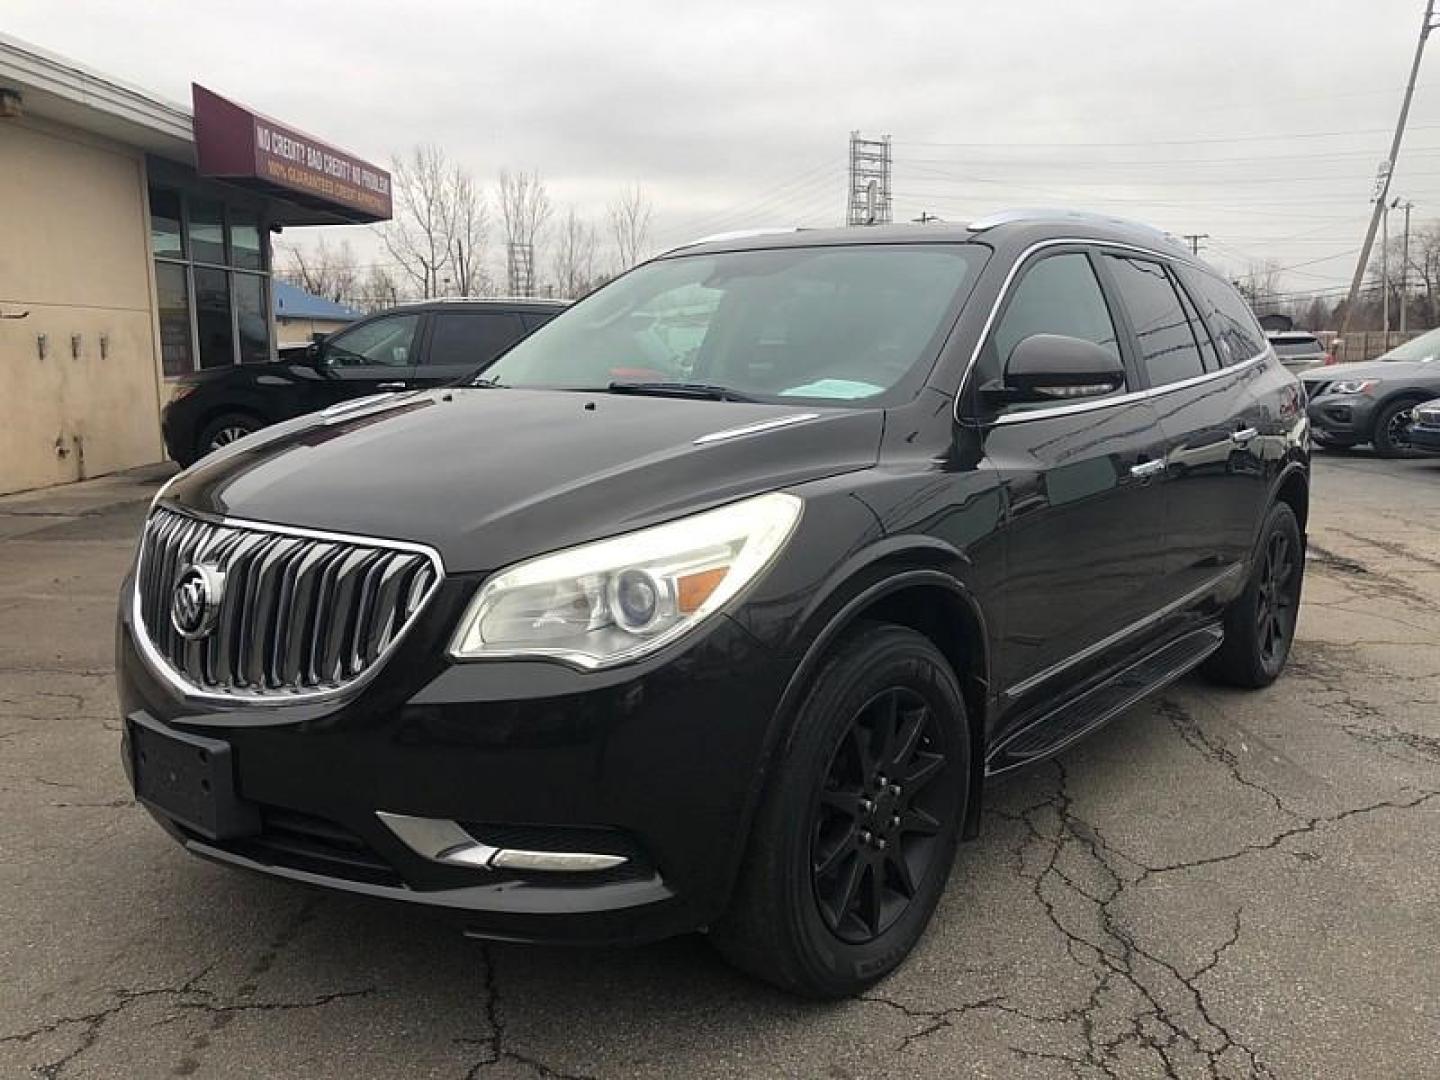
{"points": [[190, 778]]}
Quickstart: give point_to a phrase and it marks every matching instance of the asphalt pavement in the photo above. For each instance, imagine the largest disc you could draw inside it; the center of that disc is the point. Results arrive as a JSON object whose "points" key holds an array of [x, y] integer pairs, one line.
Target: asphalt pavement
{"points": [[1219, 884]]}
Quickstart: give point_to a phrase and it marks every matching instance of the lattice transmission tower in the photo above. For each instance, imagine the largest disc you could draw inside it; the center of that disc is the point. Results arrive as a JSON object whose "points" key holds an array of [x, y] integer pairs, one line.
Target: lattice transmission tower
{"points": [[869, 181], [520, 269]]}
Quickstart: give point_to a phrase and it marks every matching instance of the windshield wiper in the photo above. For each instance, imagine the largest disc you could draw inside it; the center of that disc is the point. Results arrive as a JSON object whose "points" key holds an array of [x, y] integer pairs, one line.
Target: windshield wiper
{"points": [[481, 380], [706, 391]]}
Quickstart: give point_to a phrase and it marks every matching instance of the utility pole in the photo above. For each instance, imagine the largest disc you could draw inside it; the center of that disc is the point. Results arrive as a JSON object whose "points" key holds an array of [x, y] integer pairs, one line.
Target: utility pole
{"points": [[1387, 167], [1195, 239], [1385, 273], [1407, 206]]}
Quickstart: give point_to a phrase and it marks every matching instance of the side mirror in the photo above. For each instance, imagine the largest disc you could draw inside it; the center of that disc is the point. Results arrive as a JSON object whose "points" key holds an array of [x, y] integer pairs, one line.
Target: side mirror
{"points": [[1045, 367]]}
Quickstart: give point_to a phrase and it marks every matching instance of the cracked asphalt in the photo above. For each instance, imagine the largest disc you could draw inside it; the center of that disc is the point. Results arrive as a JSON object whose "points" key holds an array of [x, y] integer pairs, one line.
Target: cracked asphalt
{"points": [[1219, 884]]}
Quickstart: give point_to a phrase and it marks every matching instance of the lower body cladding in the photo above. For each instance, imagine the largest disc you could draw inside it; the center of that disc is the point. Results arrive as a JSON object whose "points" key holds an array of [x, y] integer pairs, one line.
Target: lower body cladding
{"points": [[544, 804]]}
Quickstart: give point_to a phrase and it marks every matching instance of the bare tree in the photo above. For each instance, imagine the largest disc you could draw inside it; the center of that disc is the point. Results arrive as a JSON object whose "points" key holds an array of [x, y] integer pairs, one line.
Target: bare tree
{"points": [[630, 216], [379, 290], [524, 210], [419, 237], [470, 231], [321, 269], [1261, 285], [573, 265]]}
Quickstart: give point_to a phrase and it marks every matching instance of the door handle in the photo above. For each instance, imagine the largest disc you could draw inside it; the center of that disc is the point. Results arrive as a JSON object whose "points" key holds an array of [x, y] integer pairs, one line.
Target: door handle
{"points": [[1144, 470], [390, 386], [1243, 436]]}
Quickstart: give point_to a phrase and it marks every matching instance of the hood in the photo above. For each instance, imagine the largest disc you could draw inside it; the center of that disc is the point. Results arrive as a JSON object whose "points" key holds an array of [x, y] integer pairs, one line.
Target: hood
{"points": [[1390, 371], [489, 476]]}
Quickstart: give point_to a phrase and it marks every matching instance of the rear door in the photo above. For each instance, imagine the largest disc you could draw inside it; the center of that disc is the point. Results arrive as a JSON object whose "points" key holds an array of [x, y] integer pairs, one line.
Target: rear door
{"points": [[464, 341], [1214, 426], [372, 357], [1084, 543]]}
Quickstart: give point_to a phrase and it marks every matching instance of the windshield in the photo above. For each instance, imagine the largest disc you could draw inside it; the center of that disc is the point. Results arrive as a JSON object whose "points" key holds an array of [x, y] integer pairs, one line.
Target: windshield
{"points": [[1423, 349], [832, 323]]}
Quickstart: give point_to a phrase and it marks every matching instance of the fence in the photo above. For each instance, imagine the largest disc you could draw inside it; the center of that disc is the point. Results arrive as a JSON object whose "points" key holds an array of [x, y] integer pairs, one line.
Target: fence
{"points": [[1364, 344]]}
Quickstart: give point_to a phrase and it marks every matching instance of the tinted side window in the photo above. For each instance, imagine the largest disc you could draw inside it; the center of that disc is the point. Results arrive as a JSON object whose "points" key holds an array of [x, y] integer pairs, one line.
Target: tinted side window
{"points": [[472, 338], [1237, 334], [387, 341], [1197, 326], [1058, 295], [533, 320], [1167, 345]]}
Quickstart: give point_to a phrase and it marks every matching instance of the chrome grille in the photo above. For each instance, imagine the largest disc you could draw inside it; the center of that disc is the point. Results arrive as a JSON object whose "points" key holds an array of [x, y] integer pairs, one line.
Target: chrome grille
{"points": [[300, 613]]}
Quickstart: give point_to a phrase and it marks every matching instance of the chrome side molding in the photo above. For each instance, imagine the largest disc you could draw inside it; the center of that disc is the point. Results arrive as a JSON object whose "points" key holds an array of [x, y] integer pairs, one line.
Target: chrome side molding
{"points": [[756, 428], [445, 841]]}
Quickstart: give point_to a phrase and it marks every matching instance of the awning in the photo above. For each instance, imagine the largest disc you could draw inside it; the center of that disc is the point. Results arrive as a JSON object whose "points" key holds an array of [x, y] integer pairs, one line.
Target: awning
{"points": [[241, 146]]}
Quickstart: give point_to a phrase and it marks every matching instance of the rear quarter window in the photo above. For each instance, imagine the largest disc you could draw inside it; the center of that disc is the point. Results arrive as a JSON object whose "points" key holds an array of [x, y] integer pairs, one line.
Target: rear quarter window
{"points": [[1237, 334]]}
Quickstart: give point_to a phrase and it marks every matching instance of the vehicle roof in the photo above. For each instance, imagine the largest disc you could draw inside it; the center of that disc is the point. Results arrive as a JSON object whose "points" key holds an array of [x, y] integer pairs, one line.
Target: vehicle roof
{"points": [[450, 303], [1006, 229], [1291, 335]]}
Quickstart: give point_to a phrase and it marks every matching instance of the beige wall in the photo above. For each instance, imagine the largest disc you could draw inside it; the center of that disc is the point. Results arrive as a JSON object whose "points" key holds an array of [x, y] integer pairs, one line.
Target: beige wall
{"points": [[299, 331], [74, 253]]}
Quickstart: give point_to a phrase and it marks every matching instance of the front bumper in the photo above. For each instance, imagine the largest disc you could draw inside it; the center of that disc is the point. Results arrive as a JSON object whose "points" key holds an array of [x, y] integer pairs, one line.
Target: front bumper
{"points": [[1344, 415], [1425, 436], [661, 762]]}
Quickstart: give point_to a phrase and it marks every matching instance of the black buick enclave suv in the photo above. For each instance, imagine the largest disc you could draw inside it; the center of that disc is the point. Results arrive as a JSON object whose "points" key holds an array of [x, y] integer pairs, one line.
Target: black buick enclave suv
{"points": [[719, 601]]}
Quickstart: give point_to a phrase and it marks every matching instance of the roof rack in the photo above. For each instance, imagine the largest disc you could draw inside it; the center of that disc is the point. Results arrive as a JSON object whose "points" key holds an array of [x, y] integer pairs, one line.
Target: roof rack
{"points": [[1006, 217], [492, 299]]}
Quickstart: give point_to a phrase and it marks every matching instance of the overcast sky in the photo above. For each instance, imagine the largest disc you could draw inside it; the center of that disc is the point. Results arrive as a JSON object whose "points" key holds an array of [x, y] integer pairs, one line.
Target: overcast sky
{"points": [[1260, 122]]}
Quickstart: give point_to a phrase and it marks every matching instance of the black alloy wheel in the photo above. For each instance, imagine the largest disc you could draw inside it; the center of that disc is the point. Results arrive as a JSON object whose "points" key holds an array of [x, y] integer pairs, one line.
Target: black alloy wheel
{"points": [[1260, 623], [854, 838], [1392, 430], [875, 820], [1278, 599]]}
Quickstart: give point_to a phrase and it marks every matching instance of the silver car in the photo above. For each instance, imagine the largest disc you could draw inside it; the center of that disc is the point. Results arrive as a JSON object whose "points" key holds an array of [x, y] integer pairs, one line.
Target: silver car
{"points": [[1298, 351], [1373, 401]]}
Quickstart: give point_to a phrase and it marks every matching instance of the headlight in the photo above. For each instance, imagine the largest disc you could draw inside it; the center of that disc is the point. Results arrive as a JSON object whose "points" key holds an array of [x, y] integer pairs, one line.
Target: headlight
{"points": [[616, 600], [1354, 386]]}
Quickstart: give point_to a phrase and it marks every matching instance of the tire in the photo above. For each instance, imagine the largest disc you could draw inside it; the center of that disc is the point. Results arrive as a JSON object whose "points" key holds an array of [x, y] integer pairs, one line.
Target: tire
{"points": [[1388, 438], [827, 821], [224, 429], [1260, 622], [1332, 442]]}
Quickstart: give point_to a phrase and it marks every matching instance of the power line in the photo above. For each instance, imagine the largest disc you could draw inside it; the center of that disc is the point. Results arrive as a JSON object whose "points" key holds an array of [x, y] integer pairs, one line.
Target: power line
{"points": [[1204, 141]]}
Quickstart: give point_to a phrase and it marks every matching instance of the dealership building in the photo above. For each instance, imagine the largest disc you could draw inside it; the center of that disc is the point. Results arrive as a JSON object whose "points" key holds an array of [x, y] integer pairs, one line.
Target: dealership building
{"points": [[135, 247]]}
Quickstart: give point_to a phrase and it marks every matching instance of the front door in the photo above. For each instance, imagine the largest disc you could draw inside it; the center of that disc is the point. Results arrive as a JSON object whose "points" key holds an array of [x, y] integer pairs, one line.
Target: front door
{"points": [[372, 357], [1083, 492]]}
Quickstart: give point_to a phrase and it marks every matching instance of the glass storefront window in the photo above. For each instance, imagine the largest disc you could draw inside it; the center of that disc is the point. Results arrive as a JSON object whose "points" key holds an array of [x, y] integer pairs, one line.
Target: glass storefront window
{"points": [[245, 241], [212, 317], [251, 319], [207, 231], [211, 280], [165, 235], [174, 304]]}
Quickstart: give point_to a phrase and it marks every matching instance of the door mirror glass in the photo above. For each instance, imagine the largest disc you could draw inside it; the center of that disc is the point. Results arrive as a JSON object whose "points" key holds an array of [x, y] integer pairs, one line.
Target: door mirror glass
{"points": [[1050, 367]]}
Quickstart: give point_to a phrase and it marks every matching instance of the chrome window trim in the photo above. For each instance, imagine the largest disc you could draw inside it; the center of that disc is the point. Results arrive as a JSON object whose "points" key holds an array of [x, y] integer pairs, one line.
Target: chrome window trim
{"points": [[1099, 403], [161, 667]]}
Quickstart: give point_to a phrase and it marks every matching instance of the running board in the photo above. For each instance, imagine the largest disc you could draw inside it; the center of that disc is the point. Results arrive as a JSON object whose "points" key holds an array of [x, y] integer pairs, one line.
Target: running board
{"points": [[1072, 721]]}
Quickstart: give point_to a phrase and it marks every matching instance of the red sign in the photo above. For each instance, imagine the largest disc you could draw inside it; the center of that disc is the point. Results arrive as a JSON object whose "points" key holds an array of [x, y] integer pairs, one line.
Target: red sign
{"points": [[237, 144]]}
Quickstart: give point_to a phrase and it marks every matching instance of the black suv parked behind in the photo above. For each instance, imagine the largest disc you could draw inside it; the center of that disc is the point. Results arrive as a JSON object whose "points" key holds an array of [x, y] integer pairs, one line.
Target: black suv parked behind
{"points": [[720, 600], [408, 347]]}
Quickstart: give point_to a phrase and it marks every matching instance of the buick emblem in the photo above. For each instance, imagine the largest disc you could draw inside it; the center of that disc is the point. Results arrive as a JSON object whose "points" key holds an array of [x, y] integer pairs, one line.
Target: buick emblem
{"points": [[195, 603]]}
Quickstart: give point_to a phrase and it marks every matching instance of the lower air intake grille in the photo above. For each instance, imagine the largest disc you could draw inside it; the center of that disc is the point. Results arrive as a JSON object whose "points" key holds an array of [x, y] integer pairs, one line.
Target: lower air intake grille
{"points": [[272, 613]]}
